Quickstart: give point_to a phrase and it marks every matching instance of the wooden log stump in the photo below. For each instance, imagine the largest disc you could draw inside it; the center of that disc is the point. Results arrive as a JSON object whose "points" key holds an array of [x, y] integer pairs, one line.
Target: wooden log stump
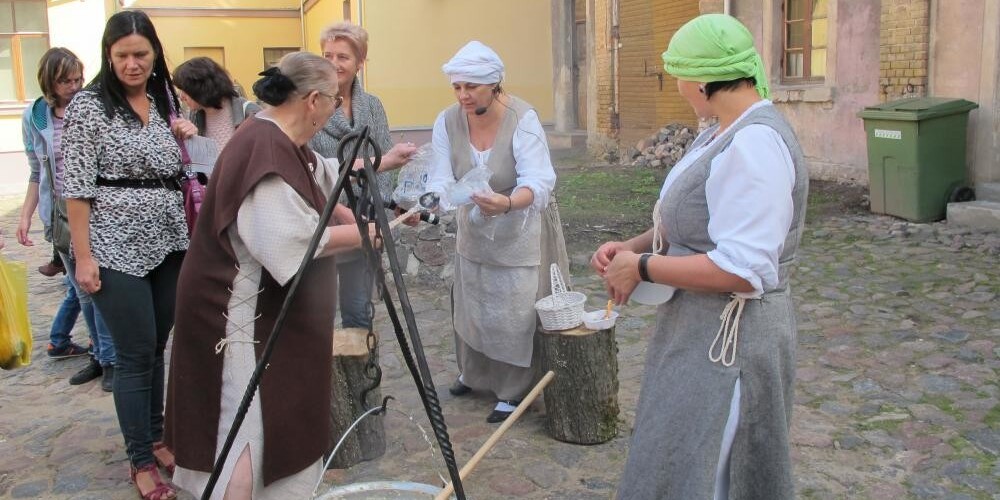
{"points": [[367, 440], [581, 404]]}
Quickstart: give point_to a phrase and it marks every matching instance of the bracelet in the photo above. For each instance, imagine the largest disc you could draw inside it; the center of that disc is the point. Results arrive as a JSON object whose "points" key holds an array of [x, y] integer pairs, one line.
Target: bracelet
{"points": [[644, 267], [510, 204]]}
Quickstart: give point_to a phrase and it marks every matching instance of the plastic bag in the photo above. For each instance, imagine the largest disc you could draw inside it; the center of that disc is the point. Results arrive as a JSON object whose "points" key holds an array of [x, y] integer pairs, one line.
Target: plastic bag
{"points": [[475, 181], [15, 329], [413, 177]]}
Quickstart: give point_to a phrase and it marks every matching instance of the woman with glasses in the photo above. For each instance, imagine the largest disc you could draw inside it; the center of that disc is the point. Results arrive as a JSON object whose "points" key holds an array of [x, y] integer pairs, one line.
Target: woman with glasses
{"points": [[259, 215], [216, 110], [60, 76], [346, 46]]}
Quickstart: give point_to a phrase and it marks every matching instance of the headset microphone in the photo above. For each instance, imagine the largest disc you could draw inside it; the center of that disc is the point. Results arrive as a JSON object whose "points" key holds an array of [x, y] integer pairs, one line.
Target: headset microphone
{"points": [[480, 111]]}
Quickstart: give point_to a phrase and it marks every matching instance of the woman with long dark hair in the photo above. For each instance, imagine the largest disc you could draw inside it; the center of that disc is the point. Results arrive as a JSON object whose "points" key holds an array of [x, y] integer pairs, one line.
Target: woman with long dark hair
{"points": [[127, 224]]}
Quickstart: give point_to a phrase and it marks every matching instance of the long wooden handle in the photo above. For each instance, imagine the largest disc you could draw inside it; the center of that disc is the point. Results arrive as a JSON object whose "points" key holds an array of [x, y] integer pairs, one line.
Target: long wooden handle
{"points": [[399, 220], [497, 434]]}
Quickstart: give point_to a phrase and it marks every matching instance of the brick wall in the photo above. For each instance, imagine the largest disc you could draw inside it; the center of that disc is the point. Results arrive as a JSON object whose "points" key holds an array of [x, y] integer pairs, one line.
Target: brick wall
{"points": [[903, 48]]}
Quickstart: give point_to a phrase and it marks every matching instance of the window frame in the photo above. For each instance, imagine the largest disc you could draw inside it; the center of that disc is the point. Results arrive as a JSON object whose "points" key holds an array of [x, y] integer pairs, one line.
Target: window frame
{"points": [[807, 44], [286, 50], [17, 57]]}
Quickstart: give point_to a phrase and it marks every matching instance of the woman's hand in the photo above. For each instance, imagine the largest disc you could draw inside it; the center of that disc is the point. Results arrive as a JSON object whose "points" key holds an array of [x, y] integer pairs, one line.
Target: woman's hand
{"points": [[88, 276], [622, 275], [492, 204], [603, 256], [412, 220], [398, 156], [343, 215], [22, 232], [182, 128]]}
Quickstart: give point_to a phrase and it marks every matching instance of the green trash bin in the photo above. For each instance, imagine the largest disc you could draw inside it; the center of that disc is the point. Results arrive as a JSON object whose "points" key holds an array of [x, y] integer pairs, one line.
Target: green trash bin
{"points": [[916, 156]]}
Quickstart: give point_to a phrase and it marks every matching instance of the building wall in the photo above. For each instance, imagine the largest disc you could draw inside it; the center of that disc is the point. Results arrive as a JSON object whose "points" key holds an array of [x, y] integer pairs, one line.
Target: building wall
{"points": [[904, 35], [404, 68], [974, 75], [319, 15], [603, 93]]}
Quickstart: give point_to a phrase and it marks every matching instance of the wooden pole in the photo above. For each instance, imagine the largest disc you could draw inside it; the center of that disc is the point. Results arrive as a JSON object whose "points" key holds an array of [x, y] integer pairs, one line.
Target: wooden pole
{"points": [[488, 445]]}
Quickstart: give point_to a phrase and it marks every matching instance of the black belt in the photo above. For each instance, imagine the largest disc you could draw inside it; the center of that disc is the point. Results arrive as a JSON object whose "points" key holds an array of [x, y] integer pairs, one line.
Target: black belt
{"points": [[166, 183]]}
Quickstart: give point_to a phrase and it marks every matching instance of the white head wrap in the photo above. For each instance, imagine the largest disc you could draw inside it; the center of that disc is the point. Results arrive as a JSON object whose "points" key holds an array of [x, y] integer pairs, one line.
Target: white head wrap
{"points": [[474, 63]]}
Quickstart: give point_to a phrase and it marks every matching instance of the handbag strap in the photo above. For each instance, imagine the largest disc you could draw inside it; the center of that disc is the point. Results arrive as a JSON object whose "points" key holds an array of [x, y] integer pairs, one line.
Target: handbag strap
{"points": [[52, 182], [185, 157]]}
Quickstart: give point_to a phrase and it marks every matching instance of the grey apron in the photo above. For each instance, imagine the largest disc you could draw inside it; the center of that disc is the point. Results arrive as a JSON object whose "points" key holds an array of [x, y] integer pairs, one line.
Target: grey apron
{"points": [[685, 397]]}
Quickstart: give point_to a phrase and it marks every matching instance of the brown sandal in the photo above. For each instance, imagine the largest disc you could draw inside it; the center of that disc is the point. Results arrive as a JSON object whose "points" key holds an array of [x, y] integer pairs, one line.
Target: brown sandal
{"points": [[160, 491], [169, 465]]}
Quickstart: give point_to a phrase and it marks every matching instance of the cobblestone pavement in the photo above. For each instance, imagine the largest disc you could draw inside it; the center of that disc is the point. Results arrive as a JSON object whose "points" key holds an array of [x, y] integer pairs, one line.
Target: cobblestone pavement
{"points": [[897, 391]]}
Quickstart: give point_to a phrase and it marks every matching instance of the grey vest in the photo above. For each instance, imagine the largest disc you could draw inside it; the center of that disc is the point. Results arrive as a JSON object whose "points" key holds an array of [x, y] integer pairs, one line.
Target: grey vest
{"points": [[684, 210], [515, 241]]}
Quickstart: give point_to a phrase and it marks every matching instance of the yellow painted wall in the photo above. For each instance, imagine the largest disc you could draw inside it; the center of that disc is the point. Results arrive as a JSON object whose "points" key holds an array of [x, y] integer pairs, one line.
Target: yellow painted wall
{"points": [[319, 16], [242, 39], [231, 4], [409, 41]]}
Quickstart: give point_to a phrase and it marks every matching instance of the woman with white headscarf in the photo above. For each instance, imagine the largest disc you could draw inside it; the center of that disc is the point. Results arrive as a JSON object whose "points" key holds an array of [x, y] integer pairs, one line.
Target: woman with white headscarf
{"points": [[507, 237]]}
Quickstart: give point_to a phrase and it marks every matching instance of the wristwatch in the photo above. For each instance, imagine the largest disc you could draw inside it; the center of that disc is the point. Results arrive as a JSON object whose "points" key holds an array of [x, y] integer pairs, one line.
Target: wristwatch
{"points": [[644, 267]]}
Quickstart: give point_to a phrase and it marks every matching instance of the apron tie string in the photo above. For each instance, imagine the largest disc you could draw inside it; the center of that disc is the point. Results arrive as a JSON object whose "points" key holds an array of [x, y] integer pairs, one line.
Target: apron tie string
{"points": [[728, 333]]}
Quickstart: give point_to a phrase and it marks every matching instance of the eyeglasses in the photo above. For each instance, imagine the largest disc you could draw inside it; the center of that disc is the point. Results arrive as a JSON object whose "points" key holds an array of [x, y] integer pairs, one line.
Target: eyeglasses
{"points": [[70, 81], [337, 100]]}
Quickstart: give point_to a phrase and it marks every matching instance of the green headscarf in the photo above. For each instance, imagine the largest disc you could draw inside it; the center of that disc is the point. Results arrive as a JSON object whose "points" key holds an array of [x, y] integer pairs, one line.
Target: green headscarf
{"points": [[715, 48]]}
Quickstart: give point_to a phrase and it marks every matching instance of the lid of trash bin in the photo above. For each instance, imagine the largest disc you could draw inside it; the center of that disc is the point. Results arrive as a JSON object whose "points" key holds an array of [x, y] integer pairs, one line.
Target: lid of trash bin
{"points": [[917, 108]]}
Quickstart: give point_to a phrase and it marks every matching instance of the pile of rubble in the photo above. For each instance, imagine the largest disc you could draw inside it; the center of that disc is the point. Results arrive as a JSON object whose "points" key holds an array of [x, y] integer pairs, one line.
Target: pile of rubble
{"points": [[664, 148]]}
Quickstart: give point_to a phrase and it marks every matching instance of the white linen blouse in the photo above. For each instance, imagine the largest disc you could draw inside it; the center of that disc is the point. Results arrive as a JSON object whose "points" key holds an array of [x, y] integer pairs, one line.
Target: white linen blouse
{"points": [[749, 194], [531, 155]]}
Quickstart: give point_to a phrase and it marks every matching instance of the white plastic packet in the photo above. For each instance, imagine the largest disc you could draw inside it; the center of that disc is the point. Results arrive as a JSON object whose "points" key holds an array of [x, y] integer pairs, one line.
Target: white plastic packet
{"points": [[475, 181], [413, 177]]}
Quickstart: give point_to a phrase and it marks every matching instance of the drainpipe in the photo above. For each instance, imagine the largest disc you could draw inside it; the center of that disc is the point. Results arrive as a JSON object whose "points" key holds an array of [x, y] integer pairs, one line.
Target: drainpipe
{"points": [[361, 22], [302, 22], [726, 7], [615, 63]]}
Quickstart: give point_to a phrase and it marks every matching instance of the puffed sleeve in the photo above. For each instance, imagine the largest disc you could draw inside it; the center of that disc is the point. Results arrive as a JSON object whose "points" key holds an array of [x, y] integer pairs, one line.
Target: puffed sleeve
{"points": [[749, 194], [81, 145], [440, 175], [533, 163], [276, 225]]}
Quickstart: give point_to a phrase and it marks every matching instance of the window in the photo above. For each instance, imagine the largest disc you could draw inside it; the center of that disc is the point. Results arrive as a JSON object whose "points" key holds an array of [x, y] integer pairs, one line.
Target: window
{"points": [[274, 54], [24, 38], [804, 57]]}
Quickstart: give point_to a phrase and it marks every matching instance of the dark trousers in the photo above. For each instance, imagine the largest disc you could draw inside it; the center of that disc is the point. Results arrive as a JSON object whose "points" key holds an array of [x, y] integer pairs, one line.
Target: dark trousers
{"points": [[139, 313]]}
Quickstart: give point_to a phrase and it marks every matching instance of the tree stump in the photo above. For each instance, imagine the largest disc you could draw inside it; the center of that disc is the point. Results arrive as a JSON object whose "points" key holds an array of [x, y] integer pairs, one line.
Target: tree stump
{"points": [[367, 440], [581, 403]]}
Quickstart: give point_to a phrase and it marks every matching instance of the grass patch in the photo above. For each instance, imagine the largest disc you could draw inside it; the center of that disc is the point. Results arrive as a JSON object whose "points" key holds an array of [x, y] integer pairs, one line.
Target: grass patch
{"points": [[993, 418], [610, 191]]}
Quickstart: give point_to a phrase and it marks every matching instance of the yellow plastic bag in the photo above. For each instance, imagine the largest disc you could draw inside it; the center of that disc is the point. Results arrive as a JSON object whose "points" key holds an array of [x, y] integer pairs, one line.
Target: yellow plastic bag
{"points": [[15, 329]]}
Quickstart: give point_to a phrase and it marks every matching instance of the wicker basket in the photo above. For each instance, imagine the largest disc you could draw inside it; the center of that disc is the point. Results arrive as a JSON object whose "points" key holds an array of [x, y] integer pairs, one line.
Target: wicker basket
{"points": [[563, 309]]}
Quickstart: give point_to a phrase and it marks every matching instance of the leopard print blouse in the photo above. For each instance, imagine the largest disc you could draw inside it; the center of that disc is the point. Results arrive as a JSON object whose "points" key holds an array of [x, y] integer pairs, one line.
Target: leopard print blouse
{"points": [[131, 229]]}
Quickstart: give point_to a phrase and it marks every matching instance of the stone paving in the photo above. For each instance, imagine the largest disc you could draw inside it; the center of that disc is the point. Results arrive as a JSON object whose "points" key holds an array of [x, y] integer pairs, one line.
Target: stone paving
{"points": [[897, 391]]}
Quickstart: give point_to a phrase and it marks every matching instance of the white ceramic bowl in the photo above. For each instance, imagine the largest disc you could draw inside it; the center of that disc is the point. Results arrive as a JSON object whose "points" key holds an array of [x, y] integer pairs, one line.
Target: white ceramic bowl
{"points": [[595, 320], [652, 294]]}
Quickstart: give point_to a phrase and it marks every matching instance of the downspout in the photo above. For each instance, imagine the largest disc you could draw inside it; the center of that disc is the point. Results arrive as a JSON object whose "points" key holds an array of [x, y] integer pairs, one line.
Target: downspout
{"points": [[302, 22], [726, 7], [615, 63], [361, 22]]}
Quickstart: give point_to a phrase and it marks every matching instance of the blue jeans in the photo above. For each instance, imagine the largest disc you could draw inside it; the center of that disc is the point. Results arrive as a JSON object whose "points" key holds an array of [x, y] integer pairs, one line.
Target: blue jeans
{"points": [[140, 313], [354, 289], [62, 324], [100, 337]]}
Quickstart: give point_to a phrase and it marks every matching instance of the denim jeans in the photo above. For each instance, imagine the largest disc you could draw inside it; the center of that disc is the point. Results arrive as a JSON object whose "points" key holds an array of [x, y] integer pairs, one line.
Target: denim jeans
{"points": [[100, 337], [354, 289], [65, 319], [139, 313]]}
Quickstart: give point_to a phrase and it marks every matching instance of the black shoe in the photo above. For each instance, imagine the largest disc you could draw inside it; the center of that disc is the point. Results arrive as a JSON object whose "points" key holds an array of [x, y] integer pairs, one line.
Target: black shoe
{"points": [[108, 381], [88, 373], [459, 389], [497, 416]]}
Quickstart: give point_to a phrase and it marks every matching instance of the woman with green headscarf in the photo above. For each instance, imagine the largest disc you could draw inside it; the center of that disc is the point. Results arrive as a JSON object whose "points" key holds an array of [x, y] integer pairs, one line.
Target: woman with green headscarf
{"points": [[717, 392]]}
